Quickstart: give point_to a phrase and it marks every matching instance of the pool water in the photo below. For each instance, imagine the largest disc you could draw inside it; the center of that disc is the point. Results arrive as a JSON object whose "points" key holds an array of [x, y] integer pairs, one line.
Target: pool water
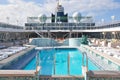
{"points": [[56, 61]]}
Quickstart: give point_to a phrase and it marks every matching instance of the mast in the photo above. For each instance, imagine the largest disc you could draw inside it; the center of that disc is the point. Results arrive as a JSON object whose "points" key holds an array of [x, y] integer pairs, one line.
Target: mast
{"points": [[58, 2]]}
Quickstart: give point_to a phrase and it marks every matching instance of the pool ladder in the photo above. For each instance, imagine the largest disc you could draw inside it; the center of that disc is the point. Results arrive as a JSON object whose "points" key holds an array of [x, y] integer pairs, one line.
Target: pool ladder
{"points": [[68, 60], [83, 62], [84, 66], [83, 58]]}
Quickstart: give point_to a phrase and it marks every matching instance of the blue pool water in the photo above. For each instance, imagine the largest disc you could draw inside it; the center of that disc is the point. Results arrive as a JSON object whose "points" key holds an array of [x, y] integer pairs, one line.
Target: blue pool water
{"points": [[60, 57]]}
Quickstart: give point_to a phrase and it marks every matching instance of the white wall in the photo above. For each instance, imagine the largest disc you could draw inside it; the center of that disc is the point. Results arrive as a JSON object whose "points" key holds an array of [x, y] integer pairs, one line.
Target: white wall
{"points": [[46, 42], [74, 42], [43, 42]]}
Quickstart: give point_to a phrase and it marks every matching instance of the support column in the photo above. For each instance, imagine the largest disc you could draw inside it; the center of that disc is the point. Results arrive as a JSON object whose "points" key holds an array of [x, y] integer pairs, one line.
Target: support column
{"points": [[70, 34], [6, 36], [48, 34]]}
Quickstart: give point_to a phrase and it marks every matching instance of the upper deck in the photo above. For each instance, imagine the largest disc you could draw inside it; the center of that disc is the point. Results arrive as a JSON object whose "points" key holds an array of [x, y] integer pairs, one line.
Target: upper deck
{"points": [[62, 27]]}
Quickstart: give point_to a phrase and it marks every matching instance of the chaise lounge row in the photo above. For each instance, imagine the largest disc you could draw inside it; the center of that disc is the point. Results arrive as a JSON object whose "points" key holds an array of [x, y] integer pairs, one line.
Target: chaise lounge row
{"points": [[5, 53]]}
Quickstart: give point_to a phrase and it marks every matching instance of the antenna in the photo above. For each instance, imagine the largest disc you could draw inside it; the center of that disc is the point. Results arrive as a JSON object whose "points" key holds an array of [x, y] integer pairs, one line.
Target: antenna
{"points": [[113, 18], [58, 2]]}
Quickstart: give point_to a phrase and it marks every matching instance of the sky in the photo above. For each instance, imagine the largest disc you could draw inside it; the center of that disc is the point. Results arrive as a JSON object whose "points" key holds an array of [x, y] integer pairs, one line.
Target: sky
{"points": [[17, 11]]}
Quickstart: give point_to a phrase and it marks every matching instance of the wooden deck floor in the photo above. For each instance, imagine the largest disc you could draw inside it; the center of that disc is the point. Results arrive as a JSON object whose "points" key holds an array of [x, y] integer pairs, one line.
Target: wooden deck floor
{"points": [[17, 73], [113, 74], [15, 56]]}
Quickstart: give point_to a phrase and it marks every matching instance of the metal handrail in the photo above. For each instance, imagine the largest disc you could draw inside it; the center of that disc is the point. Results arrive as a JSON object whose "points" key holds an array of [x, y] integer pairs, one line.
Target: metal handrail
{"points": [[83, 64], [69, 26], [37, 65]]}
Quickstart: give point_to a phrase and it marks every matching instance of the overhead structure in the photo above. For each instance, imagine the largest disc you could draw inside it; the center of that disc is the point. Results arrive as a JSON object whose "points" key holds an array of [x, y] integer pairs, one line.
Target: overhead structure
{"points": [[59, 15], [59, 20]]}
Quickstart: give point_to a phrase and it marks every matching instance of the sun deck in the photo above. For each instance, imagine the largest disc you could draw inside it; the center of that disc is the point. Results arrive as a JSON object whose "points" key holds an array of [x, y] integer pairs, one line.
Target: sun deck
{"points": [[105, 74], [115, 61], [17, 73], [106, 56], [15, 56]]}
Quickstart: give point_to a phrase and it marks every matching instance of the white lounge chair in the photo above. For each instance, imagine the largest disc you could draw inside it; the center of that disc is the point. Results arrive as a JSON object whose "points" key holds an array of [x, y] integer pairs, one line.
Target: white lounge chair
{"points": [[3, 56]]}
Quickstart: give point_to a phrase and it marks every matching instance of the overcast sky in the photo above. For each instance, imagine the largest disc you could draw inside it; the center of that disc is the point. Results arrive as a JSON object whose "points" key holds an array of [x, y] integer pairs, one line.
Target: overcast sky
{"points": [[19, 10]]}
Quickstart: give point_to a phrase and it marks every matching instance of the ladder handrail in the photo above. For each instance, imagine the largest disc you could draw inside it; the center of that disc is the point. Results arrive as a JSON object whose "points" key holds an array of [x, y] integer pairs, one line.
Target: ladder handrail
{"points": [[83, 64]]}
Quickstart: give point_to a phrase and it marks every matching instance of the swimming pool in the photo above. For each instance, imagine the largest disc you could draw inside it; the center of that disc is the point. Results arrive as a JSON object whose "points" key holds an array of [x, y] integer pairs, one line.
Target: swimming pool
{"points": [[60, 57]]}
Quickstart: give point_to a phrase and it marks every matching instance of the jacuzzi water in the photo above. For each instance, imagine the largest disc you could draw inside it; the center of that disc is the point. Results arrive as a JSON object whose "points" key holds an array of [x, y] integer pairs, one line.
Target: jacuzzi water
{"points": [[55, 62]]}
